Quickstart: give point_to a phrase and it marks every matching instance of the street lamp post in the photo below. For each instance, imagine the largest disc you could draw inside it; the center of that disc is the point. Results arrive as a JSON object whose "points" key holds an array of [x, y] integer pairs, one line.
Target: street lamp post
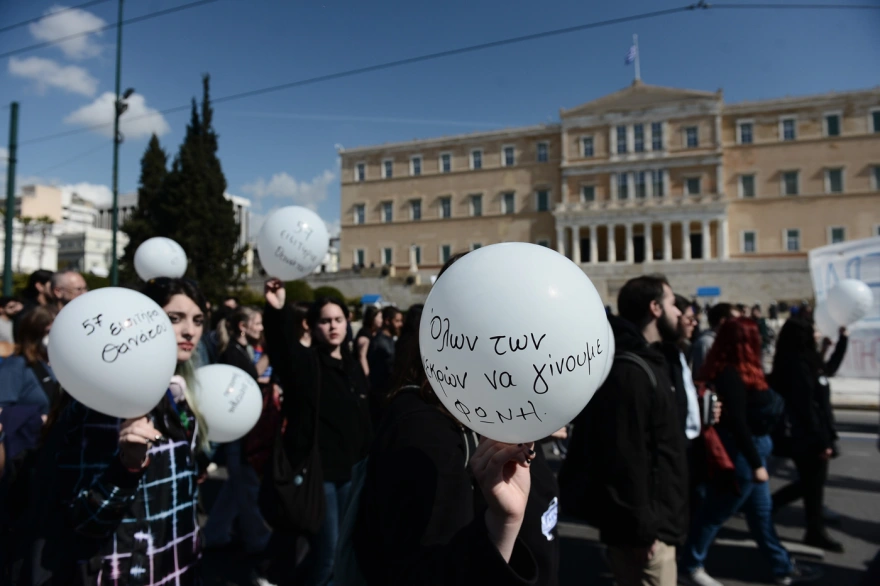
{"points": [[119, 107]]}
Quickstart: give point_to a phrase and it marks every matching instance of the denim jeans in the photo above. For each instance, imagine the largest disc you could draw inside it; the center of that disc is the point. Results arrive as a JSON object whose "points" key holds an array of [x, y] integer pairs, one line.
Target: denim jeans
{"points": [[318, 565], [721, 504]]}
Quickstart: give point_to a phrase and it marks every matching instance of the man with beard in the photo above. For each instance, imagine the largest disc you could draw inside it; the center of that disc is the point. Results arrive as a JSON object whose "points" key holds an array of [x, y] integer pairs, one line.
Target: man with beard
{"points": [[629, 445]]}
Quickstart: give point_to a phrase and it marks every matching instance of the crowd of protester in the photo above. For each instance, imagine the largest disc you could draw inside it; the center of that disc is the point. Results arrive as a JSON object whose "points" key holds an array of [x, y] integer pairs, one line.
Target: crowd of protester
{"points": [[675, 442]]}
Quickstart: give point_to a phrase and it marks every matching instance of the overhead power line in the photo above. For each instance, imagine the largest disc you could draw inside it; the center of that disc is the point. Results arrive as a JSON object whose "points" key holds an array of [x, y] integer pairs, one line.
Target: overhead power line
{"points": [[53, 13], [107, 27], [765, 5]]}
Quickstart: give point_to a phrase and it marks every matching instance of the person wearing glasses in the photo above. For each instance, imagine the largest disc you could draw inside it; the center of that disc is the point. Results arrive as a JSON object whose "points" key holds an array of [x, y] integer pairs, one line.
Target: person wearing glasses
{"points": [[66, 286]]}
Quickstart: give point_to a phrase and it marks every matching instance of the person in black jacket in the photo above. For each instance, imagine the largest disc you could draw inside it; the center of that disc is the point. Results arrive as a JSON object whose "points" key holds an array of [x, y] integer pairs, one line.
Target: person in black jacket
{"points": [[800, 376], [380, 357], [442, 507], [629, 442], [326, 377]]}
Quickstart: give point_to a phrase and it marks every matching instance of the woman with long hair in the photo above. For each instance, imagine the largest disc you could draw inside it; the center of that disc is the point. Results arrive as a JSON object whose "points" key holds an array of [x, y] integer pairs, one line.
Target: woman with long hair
{"points": [[26, 377], [372, 323], [325, 377], [733, 368], [124, 508], [440, 506], [800, 374]]}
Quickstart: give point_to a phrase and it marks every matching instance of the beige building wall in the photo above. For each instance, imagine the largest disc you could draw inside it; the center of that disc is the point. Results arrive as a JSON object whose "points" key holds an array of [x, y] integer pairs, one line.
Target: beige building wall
{"points": [[37, 201]]}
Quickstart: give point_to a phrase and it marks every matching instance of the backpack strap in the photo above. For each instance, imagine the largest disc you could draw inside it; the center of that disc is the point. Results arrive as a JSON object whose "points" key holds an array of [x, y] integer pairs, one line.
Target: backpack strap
{"points": [[652, 433]]}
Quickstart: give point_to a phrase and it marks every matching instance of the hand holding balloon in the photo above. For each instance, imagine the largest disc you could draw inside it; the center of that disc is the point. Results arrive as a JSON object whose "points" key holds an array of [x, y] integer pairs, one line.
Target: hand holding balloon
{"points": [[275, 293], [135, 437]]}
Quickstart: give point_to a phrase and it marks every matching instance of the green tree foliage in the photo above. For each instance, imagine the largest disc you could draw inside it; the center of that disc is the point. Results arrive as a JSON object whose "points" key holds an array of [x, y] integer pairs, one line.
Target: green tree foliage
{"points": [[329, 292], [299, 291]]}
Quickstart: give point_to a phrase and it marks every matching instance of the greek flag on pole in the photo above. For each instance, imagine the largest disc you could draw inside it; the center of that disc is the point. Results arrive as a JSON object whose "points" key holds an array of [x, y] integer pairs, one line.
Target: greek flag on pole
{"points": [[631, 55]]}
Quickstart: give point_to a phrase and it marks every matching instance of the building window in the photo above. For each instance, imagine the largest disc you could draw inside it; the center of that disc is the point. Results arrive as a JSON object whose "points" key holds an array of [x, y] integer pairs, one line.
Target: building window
{"points": [[833, 180], [360, 213], [387, 256], [509, 156], [415, 208], [415, 166], [792, 240], [445, 207], [446, 163], [876, 177], [387, 169], [476, 245], [587, 146], [750, 241], [747, 186], [508, 201], [790, 183], [360, 172], [476, 159], [641, 188], [789, 129], [622, 186], [476, 205], [692, 186], [588, 193], [745, 133], [639, 136], [445, 253], [418, 254], [657, 136], [360, 257], [621, 139], [543, 152], [692, 137], [875, 120], [658, 183], [832, 124], [387, 211], [543, 242], [543, 200], [836, 234]]}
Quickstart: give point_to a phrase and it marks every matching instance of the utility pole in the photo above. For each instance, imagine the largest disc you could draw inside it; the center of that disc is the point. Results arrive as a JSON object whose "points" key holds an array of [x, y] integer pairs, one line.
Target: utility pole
{"points": [[10, 198], [114, 266]]}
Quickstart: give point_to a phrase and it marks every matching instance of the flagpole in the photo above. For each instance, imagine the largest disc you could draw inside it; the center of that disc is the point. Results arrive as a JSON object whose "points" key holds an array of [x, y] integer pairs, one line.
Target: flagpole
{"points": [[636, 45]]}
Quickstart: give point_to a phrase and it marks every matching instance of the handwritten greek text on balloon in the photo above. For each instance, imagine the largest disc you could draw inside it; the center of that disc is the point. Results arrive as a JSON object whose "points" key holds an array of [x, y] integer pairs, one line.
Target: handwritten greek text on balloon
{"points": [[113, 351], [485, 417], [443, 377], [514, 343], [148, 317], [565, 364], [92, 323], [236, 386], [440, 331]]}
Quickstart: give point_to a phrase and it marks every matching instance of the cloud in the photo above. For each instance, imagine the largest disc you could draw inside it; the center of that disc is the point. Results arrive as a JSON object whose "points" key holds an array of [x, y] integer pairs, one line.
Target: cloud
{"points": [[138, 121], [74, 21], [47, 73], [305, 193], [333, 227], [4, 158], [97, 194]]}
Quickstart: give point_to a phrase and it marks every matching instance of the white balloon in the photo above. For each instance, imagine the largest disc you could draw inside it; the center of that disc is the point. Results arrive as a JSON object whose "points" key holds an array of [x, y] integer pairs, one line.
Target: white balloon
{"points": [[292, 243], [609, 359], [849, 301], [159, 257], [825, 324], [229, 399], [114, 351], [514, 341]]}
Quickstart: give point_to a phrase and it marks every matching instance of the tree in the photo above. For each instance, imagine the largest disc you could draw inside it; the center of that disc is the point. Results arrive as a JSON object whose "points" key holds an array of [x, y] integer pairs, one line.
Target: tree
{"points": [[327, 291], [143, 222], [26, 222], [45, 223]]}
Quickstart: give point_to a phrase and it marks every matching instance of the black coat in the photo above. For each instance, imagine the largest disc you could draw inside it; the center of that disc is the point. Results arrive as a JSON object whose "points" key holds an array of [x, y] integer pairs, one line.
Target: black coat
{"points": [[625, 428], [421, 517]]}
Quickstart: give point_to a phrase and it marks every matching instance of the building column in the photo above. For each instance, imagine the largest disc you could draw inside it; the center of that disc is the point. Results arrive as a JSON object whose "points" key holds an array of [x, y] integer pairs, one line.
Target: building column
{"points": [[560, 239], [723, 252], [612, 245], [686, 240], [667, 240], [649, 242], [563, 195], [576, 244], [613, 187], [707, 240], [564, 147], [594, 244], [629, 244], [649, 184], [719, 179]]}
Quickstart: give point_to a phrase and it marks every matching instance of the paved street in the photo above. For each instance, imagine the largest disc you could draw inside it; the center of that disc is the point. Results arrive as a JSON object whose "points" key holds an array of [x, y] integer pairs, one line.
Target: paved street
{"points": [[853, 490]]}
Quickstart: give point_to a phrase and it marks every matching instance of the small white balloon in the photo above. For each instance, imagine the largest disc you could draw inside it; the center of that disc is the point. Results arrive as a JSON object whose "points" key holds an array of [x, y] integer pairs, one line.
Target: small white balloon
{"points": [[514, 341], [849, 301], [292, 243], [230, 401], [160, 257], [824, 323], [114, 351]]}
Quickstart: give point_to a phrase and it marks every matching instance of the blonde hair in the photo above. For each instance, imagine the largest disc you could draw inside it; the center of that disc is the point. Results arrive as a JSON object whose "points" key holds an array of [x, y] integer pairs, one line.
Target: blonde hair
{"points": [[188, 372]]}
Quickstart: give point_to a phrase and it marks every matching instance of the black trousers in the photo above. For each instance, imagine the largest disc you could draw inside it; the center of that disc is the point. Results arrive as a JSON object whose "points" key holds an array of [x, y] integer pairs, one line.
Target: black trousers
{"points": [[812, 472]]}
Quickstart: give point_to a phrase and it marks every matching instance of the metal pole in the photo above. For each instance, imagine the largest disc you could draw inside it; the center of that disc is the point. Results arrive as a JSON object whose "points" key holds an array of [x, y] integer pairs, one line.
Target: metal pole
{"points": [[636, 45], [114, 266], [10, 198]]}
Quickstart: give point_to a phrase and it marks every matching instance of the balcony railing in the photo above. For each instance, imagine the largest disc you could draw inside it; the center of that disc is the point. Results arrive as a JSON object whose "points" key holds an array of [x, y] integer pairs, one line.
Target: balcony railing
{"points": [[668, 201]]}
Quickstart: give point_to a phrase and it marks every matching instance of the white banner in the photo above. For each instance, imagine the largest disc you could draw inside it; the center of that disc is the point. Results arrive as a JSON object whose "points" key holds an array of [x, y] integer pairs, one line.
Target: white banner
{"points": [[859, 259]]}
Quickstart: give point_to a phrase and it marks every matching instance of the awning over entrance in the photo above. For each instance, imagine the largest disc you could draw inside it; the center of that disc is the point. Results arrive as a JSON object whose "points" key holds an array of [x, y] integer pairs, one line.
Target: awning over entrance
{"points": [[370, 299]]}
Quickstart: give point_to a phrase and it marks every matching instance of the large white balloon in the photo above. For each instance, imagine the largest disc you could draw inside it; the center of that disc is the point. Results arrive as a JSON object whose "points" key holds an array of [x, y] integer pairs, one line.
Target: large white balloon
{"points": [[514, 341], [230, 401], [292, 243], [114, 351], [849, 301], [824, 323], [159, 257]]}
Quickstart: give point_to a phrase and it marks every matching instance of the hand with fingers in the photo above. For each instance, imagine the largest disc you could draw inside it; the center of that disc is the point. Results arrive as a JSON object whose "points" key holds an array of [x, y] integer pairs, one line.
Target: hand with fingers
{"points": [[502, 472], [275, 293], [135, 438]]}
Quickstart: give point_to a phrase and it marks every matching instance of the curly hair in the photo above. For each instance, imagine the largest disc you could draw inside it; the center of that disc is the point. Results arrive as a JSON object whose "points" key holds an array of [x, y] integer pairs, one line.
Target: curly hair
{"points": [[738, 345]]}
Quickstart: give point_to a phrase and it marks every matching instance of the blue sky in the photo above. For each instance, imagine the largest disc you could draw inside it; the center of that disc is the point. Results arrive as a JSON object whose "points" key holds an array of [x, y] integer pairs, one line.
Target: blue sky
{"points": [[278, 149]]}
